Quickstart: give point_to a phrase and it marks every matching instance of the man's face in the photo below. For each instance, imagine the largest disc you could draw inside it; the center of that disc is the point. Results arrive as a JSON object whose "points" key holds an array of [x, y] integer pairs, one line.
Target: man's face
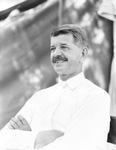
{"points": [[65, 56]]}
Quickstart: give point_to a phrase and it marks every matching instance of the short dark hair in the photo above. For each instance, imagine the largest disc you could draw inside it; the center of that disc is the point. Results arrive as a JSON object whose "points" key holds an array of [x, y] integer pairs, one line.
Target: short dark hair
{"points": [[78, 34]]}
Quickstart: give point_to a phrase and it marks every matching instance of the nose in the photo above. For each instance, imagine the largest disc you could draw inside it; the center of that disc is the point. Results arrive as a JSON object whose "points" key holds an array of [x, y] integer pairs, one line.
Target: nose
{"points": [[57, 52]]}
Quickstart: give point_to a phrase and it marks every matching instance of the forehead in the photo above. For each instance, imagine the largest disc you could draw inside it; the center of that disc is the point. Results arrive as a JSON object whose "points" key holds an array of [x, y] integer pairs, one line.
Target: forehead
{"points": [[62, 38]]}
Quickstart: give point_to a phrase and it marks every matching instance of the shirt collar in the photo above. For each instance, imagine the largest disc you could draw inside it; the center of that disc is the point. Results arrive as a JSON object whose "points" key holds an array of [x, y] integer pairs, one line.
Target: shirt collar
{"points": [[73, 82]]}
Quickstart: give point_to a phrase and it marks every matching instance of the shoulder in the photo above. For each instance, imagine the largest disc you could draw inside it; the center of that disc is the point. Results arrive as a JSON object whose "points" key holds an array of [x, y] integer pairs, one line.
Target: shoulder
{"points": [[47, 90], [43, 93], [96, 91], [39, 97]]}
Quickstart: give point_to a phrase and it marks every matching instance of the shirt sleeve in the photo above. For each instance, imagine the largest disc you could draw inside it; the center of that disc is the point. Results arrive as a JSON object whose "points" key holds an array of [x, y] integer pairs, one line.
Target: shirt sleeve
{"points": [[17, 139], [89, 126], [27, 110]]}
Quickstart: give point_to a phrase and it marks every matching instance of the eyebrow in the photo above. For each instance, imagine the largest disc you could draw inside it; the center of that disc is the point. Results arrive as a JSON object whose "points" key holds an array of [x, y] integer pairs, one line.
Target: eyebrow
{"points": [[60, 43], [52, 46], [64, 44]]}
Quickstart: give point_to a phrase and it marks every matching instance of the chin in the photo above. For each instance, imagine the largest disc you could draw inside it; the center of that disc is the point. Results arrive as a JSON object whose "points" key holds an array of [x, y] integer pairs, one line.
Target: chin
{"points": [[60, 73], [60, 70]]}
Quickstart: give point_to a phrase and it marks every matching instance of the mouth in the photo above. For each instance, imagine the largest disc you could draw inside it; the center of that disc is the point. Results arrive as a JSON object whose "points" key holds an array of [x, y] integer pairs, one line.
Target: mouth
{"points": [[59, 60]]}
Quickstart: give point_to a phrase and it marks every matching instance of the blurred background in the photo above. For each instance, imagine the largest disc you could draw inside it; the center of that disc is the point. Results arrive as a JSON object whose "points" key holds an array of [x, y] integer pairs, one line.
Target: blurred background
{"points": [[25, 27]]}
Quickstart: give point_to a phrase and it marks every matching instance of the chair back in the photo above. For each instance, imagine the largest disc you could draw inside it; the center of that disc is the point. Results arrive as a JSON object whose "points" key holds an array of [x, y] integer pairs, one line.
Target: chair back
{"points": [[112, 132]]}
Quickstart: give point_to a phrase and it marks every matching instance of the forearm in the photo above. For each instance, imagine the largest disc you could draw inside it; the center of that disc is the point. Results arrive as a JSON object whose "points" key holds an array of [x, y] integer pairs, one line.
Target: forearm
{"points": [[17, 139], [44, 138]]}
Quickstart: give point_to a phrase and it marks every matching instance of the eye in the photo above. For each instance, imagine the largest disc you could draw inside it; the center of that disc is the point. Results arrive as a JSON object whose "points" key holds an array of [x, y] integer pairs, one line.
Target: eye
{"points": [[64, 47], [52, 48]]}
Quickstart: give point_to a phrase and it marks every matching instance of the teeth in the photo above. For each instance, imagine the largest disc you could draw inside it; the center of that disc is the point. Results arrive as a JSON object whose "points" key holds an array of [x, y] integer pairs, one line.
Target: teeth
{"points": [[60, 61]]}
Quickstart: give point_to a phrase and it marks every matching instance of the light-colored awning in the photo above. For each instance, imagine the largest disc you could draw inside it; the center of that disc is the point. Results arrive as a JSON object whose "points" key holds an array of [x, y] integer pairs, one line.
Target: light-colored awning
{"points": [[5, 4]]}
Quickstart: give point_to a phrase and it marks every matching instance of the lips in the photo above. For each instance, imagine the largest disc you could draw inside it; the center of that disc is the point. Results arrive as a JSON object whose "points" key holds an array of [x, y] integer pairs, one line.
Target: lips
{"points": [[59, 59]]}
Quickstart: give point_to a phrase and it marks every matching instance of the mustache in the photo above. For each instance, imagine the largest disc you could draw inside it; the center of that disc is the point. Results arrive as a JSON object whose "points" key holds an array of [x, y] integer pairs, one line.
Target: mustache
{"points": [[59, 58]]}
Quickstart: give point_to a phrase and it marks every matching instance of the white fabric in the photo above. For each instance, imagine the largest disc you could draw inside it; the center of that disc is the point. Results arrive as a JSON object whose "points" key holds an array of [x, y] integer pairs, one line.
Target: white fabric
{"points": [[111, 146], [112, 87], [108, 11], [17, 139], [77, 107]]}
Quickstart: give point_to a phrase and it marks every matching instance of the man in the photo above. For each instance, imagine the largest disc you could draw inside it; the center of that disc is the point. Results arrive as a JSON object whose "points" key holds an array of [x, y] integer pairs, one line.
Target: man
{"points": [[71, 115]]}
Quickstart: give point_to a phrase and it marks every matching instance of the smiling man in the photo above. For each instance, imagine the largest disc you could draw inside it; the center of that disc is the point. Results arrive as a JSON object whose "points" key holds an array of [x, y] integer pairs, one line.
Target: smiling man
{"points": [[71, 115], [68, 51]]}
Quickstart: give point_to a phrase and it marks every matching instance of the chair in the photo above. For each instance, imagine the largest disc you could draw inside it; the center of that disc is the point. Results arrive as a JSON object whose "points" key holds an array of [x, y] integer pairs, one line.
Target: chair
{"points": [[112, 132], [111, 141]]}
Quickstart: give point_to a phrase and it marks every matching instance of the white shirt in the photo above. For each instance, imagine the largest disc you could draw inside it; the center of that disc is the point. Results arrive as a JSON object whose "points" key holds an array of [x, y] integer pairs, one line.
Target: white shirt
{"points": [[77, 107]]}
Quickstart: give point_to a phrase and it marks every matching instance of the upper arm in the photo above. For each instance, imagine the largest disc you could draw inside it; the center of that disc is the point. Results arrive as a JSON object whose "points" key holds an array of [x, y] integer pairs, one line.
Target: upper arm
{"points": [[91, 122]]}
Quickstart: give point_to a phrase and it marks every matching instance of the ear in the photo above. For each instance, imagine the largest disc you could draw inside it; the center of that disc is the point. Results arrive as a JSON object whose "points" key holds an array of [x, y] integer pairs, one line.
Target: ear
{"points": [[84, 54]]}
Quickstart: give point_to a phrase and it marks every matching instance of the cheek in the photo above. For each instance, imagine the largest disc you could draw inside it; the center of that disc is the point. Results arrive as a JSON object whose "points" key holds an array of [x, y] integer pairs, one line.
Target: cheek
{"points": [[51, 56], [74, 59], [74, 63], [77, 57]]}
